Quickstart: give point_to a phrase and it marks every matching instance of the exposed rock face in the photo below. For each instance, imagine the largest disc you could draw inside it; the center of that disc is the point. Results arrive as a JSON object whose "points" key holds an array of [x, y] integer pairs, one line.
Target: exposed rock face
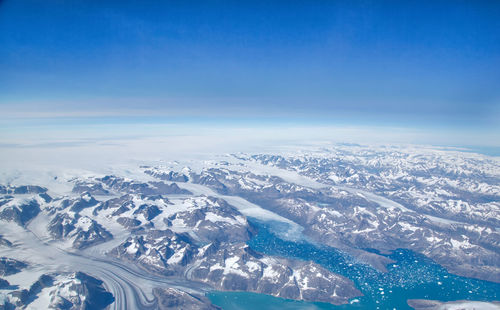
{"points": [[5, 242], [238, 268], [121, 204], [128, 222], [170, 298], [433, 211], [364, 202], [4, 283], [211, 219], [45, 197], [444, 205], [168, 175], [96, 297], [84, 201], [161, 251], [21, 298], [10, 266], [214, 252], [122, 185], [23, 189], [149, 212], [90, 187], [83, 230], [67, 291], [91, 235], [19, 211], [67, 223], [42, 282], [112, 184]]}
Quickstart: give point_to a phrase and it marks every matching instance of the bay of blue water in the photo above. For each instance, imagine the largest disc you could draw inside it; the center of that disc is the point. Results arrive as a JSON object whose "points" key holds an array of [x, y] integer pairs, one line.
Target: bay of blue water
{"points": [[412, 276]]}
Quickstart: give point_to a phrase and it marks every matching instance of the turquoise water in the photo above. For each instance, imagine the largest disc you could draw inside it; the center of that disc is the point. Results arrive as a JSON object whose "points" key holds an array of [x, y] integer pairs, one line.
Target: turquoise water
{"points": [[412, 276]]}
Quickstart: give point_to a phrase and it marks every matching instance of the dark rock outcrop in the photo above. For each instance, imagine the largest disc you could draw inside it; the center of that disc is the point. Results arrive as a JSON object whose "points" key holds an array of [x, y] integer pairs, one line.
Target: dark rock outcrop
{"points": [[10, 266]]}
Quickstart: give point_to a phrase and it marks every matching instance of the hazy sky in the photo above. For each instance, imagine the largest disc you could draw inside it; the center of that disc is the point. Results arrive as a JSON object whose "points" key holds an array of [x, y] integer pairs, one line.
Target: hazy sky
{"points": [[404, 63]]}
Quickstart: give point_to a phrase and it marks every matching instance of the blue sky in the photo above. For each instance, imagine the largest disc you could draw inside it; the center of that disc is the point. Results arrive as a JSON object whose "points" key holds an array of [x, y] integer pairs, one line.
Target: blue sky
{"points": [[404, 63]]}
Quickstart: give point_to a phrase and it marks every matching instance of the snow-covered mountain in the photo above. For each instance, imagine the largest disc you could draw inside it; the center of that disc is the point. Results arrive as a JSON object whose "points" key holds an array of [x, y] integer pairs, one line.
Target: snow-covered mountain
{"points": [[163, 236]]}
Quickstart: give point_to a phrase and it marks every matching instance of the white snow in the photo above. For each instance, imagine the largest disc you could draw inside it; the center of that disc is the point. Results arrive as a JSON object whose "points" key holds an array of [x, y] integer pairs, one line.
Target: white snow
{"points": [[232, 266], [269, 272], [468, 305], [177, 257], [210, 216]]}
